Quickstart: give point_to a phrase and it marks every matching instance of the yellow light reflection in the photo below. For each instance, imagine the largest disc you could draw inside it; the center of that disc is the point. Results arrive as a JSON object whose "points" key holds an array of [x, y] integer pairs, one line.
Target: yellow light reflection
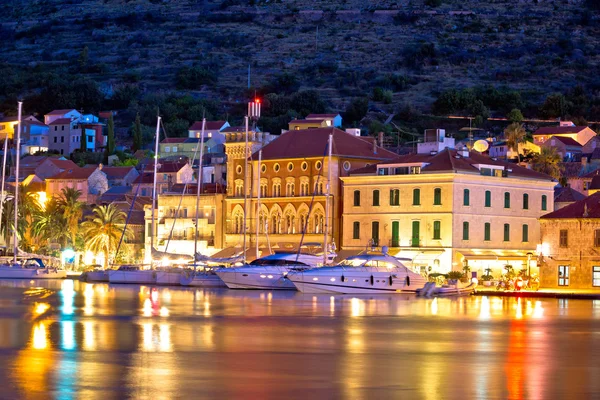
{"points": [[538, 311], [164, 312], [484, 311], [88, 299], [519, 314], [206, 307], [434, 306], [147, 344], [357, 307], [164, 338], [147, 311], [39, 339], [332, 306], [41, 308], [89, 336]]}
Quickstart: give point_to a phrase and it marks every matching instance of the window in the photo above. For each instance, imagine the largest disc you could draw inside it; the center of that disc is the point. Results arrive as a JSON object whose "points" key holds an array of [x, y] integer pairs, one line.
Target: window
{"points": [[318, 165], [416, 197], [394, 197], [276, 167], [525, 233], [90, 139], [290, 166], [437, 230], [563, 275], [55, 128], [506, 232], [597, 238], [564, 238], [544, 202], [55, 139], [356, 198], [62, 128], [466, 197], [506, 200], [595, 276], [304, 166], [383, 171], [174, 149], [437, 197], [488, 198], [356, 230], [263, 168], [375, 232], [376, 198], [525, 201], [167, 149], [347, 166], [62, 139], [486, 232], [465, 230]]}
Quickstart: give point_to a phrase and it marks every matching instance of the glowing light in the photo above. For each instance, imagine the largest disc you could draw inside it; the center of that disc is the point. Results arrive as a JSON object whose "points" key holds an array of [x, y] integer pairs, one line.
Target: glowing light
{"points": [[89, 336], [538, 311], [147, 337], [147, 308], [356, 307], [164, 312], [40, 337], [257, 101], [434, 307], [68, 335], [164, 338], [41, 308], [68, 295], [42, 199], [519, 314], [88, 294], [68, 254], [484, 312]]}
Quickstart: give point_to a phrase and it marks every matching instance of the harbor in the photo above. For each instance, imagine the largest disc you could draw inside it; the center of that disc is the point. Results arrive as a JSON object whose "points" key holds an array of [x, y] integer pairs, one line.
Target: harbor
{"points": [[70, 339]]}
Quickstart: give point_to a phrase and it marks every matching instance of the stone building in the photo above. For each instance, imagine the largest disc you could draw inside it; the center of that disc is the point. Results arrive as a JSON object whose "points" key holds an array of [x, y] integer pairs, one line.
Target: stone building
{"points": [[570, 246], [446, 210]]}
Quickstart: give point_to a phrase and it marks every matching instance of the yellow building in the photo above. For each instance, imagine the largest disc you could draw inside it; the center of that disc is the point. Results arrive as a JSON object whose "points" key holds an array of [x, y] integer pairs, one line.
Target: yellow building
{"points": [[447, 209], [176, 217], [293, 184]]}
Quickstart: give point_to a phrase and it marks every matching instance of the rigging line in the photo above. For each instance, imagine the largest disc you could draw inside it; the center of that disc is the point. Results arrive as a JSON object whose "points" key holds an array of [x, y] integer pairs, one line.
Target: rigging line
{"points": [[312, 200]]}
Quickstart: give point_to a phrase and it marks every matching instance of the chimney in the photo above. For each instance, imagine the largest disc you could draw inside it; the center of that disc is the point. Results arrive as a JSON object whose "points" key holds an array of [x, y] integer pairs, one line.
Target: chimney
{"points": [[381, 139]]}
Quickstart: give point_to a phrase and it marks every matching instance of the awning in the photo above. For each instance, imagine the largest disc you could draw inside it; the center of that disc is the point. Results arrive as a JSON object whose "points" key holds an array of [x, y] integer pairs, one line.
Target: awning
{"points": [[500, 255]]}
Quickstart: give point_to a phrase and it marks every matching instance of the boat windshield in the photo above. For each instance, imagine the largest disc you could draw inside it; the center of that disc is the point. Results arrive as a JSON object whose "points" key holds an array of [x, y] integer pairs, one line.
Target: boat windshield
{"points": [[277, 262], [32, 264], [361, 262]]}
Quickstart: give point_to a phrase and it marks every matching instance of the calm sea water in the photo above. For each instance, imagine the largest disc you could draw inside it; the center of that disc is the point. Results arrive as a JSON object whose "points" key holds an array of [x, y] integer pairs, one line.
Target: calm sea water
{"points": [[72, 340]]}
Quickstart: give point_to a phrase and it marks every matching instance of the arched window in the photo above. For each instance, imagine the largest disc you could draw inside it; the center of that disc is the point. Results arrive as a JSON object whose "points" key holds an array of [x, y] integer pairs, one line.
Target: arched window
{"points": [[506, 232]]}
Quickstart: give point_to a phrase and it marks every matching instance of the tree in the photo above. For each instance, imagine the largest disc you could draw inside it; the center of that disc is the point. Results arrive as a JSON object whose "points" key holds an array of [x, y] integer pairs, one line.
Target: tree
{"points": [[515, 115], [49, 225], [555, 106], [72, 210], [137, 133], [83, 58], [103, 230], [356, 110], [110, 139], [547, 162], [515, 135]]}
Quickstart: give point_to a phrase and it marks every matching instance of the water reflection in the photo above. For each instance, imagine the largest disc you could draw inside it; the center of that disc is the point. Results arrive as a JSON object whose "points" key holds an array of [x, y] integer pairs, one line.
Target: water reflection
{"points": [[162, 343]]}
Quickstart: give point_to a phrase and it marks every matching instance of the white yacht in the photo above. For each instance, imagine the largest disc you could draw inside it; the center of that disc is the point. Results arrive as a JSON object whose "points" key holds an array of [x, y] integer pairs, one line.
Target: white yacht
{"points": [[96, 275], [268, 272], [132, 274], [362, 274], [204, 277], [170, 276], [32, 268]]}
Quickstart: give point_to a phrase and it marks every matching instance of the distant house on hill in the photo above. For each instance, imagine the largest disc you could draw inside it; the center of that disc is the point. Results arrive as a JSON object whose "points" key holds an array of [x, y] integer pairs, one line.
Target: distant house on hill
{"points": [[120, 176], [314, 121], [91, 182], [563, 196], [567, 147], [580, 134]]}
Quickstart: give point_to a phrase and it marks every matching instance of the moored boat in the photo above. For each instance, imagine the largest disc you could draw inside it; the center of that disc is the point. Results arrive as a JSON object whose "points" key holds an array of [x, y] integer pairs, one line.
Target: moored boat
{"points": [[32, 268], [452, 287], [132, 274], [202, 278], [362, 274]]}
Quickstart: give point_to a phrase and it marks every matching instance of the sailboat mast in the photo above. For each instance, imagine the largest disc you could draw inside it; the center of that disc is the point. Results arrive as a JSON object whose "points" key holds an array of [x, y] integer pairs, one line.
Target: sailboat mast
{"points": [[17, 157], [259, 187], [154, 189], [326, 223], [245, 187], [198, 188], [3, 176]]}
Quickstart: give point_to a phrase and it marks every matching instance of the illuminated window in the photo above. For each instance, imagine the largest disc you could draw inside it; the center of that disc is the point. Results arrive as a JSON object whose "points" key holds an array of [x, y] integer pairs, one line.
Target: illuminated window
{"points": [[563, 275], [596, 276]]}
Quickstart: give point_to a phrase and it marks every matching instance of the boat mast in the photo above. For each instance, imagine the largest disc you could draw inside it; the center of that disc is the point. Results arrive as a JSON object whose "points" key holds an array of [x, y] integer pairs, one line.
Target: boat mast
{"points": [[259, 187], [245, 186], [3, 176], [154, 189], [17, 157], [326, 223], [201, 144]]}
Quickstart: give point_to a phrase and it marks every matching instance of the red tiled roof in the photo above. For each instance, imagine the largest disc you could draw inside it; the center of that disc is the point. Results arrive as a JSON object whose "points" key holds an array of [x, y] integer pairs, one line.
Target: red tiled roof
{"points": [[61, 121], [146, 177], [567, 141], [32, 161], [585, 208], [73, 174], [61, 112], [116, 172], [306, 121], [234, 129], [63, 164], [595, 183], [173, 140], [321, 116], [165, 167], [450, 160], [567, 195], [313, 143], [209, 126], [559, 130]]}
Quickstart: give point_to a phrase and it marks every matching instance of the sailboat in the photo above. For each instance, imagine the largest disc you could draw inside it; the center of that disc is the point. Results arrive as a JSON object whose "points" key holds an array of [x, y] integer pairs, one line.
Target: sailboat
{"points": [[33, 267], [204, 277], [137, 273]]}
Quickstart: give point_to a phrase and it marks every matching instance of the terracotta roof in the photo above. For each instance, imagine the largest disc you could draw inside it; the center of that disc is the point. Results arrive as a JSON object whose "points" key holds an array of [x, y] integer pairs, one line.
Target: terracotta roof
{"points": [[32, 161], [146, 177], [116, 172], [234, 129], [567, 141], [173, 140], [210, 125], [61, 112], [321, 116], [61, 121], [585, 208], [577, 169], [73, 174], [567, 195], [306, 121], [313, 143], [595, 184], [450, 160], [63, 164], [166, 167], [559, 130]]}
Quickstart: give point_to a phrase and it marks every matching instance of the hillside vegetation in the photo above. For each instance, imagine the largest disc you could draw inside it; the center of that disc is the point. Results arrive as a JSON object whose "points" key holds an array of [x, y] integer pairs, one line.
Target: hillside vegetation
{"points": [[406, 57]]}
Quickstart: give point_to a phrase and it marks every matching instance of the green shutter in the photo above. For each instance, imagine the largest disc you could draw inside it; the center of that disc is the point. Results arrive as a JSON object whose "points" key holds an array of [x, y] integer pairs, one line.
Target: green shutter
{"points": [[395, 234]]}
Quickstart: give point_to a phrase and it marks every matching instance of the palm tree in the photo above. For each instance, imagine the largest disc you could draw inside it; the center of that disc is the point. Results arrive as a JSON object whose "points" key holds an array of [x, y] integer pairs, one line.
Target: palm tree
{"points": [[28, 207], [547, 162], [102, 231], [50, 225], [72, 210], [515, 134]]}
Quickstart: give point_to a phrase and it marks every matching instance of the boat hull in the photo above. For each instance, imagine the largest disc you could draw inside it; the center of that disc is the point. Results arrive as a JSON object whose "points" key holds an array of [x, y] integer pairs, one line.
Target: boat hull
{"points": [[96, 276], [168, 278], [201, 279], [265, 280], [30, 273], [139, 277], [355, 283]]}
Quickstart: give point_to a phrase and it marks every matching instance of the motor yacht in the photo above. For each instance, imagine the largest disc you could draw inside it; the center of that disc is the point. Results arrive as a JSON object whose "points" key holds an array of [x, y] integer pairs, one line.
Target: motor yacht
{"points": [[32, 268], [361, 274], [268, 272], [132, 274]]}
